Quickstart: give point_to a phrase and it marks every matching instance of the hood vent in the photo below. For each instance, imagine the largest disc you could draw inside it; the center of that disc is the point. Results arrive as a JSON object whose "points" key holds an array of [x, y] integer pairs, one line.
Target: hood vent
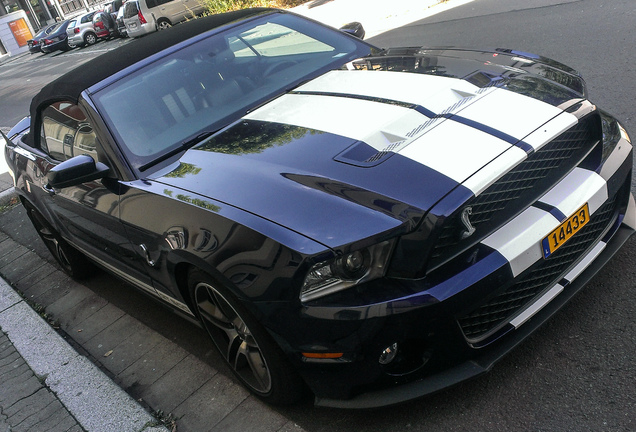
{"points": [[366, 154]]}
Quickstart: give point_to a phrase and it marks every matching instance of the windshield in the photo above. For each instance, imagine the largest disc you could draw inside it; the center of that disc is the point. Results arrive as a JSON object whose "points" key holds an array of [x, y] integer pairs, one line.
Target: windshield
{"points": [[214, 81]]}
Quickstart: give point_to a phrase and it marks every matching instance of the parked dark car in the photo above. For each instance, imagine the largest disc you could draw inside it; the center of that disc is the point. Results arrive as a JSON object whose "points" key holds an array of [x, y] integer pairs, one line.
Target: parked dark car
{"points": [[104, 25], [57, 39], [34, 44], [374, 224]]}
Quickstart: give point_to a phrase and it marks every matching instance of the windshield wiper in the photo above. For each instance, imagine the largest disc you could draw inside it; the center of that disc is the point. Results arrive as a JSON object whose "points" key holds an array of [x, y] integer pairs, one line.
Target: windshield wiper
{"points": [[185, 145]]}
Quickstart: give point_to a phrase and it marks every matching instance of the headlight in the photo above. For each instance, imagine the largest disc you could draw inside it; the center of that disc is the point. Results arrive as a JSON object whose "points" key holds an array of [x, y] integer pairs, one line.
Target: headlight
{"points": [[345, 271], [613, 131]]}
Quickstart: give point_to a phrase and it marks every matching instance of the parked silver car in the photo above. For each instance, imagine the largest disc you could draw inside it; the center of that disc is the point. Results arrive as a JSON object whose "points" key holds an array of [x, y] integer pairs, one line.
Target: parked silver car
{"points": [[80, 30], [146, 16]]}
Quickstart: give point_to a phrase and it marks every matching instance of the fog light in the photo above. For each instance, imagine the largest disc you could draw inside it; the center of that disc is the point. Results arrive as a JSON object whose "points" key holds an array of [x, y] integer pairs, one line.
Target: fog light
{"points": [[388, 355]]}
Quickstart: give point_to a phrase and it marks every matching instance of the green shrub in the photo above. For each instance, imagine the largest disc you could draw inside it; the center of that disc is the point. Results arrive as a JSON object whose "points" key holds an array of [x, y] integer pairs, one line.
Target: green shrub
{"points": [[219, 6]]}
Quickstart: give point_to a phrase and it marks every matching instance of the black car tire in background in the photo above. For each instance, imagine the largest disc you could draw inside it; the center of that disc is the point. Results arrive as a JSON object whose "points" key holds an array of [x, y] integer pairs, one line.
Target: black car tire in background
{"points": [[247, 348], [73, 262]]}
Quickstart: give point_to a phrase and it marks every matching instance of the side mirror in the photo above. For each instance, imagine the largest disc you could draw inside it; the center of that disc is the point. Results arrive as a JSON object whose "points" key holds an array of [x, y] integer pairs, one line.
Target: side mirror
{"points": [[74, 171], [354, 29]]}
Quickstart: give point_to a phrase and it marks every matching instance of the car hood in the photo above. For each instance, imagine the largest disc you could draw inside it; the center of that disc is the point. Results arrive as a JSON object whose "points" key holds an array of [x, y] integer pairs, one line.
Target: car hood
{"points": [[363, 150]]}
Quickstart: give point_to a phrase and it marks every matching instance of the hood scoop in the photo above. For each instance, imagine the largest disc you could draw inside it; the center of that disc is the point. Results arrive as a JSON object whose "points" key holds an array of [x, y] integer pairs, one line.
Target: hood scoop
{"points": [[366, 154]]}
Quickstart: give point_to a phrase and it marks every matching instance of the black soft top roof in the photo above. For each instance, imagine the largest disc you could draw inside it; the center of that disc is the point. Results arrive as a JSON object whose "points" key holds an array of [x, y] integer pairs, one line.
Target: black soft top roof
{"points": [[70, 85]]}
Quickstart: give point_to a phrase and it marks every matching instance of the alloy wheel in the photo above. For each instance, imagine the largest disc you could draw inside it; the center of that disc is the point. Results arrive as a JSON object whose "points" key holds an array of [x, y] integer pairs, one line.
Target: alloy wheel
{"points": [[54, 246], [90, 38], [163, 25], [233, 338]]}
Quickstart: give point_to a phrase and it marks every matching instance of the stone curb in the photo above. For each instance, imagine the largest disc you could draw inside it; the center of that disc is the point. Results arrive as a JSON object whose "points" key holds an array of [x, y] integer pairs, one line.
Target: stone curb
{"points": [[90, 396], [7, 195]]}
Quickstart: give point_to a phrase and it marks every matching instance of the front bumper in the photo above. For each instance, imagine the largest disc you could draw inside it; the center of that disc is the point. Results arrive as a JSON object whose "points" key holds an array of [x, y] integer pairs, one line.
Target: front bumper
{"points": [[430, 314], [487, 357]]}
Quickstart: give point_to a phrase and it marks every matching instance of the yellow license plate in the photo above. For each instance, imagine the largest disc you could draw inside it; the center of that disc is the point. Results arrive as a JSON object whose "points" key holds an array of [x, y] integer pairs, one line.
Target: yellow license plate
{"points": [[565, 231]]}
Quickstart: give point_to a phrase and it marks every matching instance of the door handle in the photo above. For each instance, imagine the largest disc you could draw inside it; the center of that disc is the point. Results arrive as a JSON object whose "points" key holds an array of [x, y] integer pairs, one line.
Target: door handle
{"points": [[146, 253]]}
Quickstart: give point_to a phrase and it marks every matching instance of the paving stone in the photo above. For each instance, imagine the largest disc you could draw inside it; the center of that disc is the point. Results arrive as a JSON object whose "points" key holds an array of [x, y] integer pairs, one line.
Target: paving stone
{"points": [[26, 282], [24, 265], [251, 415], [132, 348], [172, 389], [111, 336], [17, 376], [53, 417], [49, 290], [13, 390], [7, 357], [152, 366], [83, 310], [8, 367], [25, 408], [67, 307], [85, 330], [210, 404], [4, 425], [14, 251], [8, 251]]}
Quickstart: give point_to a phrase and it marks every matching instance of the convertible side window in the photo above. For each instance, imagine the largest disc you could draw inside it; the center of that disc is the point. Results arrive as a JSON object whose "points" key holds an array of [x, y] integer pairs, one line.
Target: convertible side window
{"points": [[66, 132]]}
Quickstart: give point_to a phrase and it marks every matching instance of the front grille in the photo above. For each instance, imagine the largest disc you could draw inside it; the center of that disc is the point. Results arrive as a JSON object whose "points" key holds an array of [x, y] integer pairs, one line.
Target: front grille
{"points": [[499, 309], [520, 187]]}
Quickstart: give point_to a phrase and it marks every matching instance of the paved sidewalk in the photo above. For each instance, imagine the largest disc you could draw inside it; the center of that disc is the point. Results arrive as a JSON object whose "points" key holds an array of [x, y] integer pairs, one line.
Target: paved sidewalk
{"points": [[26, 402], [45, 385]]}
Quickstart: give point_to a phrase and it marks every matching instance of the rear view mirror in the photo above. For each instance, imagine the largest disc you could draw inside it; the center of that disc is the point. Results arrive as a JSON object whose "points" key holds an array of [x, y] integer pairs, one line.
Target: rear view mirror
{"points": [[74, 171], [354, 29]]}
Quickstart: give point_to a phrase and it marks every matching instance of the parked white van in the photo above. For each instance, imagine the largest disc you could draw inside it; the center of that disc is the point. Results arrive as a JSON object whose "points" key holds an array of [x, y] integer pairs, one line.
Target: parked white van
{"points": [[146, 16]]}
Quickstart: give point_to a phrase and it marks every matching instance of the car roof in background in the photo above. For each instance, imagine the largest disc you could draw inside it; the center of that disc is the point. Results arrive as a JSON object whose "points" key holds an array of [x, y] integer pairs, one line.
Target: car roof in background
{"points": [[70, 85]]}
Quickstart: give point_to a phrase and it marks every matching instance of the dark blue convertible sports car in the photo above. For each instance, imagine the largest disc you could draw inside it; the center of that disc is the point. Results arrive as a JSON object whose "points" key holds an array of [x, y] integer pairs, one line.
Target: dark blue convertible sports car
{"points": [[372, 224]]}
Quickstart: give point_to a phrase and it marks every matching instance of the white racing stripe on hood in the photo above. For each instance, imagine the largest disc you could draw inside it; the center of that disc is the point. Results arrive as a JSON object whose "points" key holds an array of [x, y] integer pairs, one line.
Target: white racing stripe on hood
{"points": [[475, 147], [377, 124], [512, 113], [435, 93], [550, 130], [459, 157], [492, 172], [515, 155]]}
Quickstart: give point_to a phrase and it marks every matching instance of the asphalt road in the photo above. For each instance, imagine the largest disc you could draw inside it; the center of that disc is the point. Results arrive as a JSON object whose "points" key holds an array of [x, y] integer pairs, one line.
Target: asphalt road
{"points": [[577, 372]]}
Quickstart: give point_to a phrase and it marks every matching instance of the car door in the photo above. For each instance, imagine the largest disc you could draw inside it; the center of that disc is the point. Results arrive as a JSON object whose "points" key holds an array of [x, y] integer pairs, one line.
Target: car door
{"points": [[87, 214], [172, 9]]}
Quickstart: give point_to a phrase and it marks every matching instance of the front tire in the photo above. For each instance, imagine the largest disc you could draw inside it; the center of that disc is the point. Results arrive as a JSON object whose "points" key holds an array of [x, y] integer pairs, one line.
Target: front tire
{"points": [[247, 348], [73, 262]]}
